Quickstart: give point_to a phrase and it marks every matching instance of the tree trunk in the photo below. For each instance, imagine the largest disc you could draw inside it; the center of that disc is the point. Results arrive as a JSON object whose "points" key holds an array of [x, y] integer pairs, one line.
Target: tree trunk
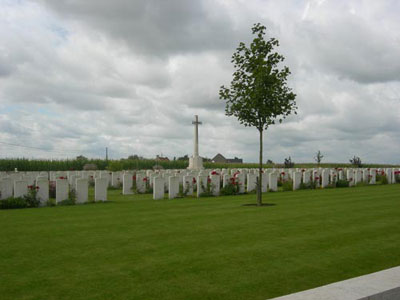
{"points": [[259, 186]]}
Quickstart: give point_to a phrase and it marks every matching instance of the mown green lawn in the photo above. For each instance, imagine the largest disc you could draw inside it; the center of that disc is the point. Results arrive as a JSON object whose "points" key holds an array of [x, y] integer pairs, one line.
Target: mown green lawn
{"points": [[209, 248]]}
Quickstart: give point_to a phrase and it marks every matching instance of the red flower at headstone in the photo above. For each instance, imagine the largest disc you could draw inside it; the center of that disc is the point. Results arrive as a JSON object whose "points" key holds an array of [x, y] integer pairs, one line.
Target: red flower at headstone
{"points": [[134, 177], [208, 179], [194, 180], [214, 173], [30, 187], [37, 187], [145, 179]]}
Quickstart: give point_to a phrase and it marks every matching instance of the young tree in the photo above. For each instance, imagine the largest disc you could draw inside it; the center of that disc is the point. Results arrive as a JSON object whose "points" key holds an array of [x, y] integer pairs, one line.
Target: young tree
{"points": [[318, 157], [288, 163], [356, 161], [258, 95]]}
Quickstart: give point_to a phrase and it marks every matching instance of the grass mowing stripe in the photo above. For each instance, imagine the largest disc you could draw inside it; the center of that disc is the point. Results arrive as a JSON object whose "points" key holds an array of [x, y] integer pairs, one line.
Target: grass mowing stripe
{"points": [[207, 248]]}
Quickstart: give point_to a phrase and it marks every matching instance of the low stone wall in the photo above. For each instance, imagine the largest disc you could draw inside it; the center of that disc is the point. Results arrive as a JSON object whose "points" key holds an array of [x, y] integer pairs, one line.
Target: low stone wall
{"points": [[383, 285]]}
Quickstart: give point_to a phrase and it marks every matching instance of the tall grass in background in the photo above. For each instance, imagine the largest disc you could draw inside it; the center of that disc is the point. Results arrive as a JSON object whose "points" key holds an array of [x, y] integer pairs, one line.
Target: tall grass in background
{"points": [[25, 164]]}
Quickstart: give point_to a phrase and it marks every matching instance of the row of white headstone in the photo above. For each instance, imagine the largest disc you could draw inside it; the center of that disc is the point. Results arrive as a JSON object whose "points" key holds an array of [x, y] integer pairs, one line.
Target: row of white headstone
{"points": [[247, 181], [162, 181], [20, 188], [326, 177]]}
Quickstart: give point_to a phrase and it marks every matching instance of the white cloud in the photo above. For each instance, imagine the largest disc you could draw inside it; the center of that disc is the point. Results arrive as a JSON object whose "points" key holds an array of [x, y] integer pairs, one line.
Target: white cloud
{"points": [[76, 77]]}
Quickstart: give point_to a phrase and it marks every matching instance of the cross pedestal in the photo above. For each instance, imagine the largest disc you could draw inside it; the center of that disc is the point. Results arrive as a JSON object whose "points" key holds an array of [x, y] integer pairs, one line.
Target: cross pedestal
{"points": [[196, 162]]}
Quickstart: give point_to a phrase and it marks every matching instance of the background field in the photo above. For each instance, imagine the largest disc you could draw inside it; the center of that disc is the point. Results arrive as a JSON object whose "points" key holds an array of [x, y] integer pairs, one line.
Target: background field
{"points": [[24, 164], [207, 248]]}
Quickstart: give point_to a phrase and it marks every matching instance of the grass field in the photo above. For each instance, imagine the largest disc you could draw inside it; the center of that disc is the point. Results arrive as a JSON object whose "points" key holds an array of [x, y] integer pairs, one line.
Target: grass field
{"points": [[25, 164], [209, 248]]}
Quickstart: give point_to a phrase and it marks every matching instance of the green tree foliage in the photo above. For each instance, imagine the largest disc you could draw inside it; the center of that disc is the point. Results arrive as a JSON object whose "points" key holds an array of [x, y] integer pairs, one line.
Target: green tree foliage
{"points": [[356, 161], [318, 157], [185, 157], [288, 163], [258, 95]]}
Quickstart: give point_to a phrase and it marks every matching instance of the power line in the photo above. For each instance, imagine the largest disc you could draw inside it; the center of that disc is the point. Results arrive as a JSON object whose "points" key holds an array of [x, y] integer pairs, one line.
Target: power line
{"points": [[37, 148]]}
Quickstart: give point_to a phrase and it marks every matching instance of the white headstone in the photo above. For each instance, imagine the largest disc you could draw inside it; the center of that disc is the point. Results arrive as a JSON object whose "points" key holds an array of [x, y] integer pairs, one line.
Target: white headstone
{"points": [[61, 190], [365, 175], [265, 182], [251, 182], [201, 184], [29, 179], [20, 188], [173, 187], [357, 176], [296, 180], [41, 178], [350, 177], [141, 181], [158, 188], [340, 174], [42, 191], [100, 189], [306, 176], [324, 178], [389, 175], [316, 178], [396, 175], [226, 180], [116, 179], [273, 182], [372, 176], [215, 184], [127, 184], [72, 180], [6, 188], [82, 187], [286, 175], [333, 177], [44, 174], [188, 185], [240, 179], [107, 175]]}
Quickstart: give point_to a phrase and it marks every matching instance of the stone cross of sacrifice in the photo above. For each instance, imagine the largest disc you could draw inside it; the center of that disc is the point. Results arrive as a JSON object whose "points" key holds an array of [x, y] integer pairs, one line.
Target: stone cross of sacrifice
{"points": [[196, 124]]}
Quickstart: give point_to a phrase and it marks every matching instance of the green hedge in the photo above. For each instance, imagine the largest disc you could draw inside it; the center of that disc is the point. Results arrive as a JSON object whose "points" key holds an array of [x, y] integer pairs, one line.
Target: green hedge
{"points": [[25, 164]]}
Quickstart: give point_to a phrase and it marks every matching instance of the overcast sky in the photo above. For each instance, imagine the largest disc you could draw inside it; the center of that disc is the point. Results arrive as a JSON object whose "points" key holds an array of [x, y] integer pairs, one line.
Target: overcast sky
{"points": [[79, 76]]}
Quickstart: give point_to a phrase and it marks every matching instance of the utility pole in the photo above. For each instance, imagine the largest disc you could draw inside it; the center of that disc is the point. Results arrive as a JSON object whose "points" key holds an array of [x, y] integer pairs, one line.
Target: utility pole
{"points": [[106, 153]]}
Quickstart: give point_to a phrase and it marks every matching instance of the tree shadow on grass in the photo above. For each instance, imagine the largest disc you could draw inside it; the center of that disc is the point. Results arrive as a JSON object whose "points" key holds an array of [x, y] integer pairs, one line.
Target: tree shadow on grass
{"points": [[262, 205]]}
